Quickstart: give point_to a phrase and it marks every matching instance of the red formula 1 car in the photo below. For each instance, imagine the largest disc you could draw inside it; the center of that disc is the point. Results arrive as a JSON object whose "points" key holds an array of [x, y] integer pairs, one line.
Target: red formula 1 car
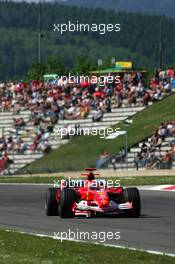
{"points": [[92, 197]]}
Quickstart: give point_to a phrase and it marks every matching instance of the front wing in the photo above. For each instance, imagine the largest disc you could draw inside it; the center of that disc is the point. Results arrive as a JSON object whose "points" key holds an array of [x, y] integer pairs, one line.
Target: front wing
{"points": [[82, 208]]}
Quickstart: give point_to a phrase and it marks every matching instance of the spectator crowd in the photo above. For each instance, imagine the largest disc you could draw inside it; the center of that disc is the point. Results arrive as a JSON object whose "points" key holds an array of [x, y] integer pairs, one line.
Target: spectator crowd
{"points": [[150, 154], [52, 101]]}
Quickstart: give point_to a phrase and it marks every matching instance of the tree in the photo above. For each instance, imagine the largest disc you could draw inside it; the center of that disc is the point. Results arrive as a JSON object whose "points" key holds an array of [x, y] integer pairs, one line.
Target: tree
{"points": [[20, 50], [82, 66], [37, 71], [56, 65]]}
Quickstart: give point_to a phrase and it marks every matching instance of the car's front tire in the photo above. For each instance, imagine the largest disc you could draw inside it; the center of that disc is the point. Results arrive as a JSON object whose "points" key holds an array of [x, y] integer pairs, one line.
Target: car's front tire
{"points": [[67, 200], [132, 195]]}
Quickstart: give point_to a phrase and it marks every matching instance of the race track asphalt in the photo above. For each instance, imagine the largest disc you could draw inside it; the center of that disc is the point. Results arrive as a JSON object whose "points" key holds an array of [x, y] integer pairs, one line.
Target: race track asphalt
{"points": [[22, 208]]}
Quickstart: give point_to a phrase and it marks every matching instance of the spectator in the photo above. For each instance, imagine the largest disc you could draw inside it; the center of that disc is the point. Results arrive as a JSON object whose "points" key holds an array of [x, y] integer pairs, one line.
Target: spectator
{"points": [[102, 161], [5, 163], [166, 160], [138, 160], [98, 115]]}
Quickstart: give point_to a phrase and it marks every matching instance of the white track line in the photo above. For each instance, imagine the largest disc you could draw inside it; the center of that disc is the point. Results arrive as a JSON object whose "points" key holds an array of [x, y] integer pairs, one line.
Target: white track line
{"points": [[142, 188], [97, 243]]}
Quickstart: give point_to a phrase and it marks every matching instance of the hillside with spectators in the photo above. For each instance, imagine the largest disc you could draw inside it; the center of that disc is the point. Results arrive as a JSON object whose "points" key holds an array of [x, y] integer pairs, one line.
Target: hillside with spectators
{"points": [[51, 102]]}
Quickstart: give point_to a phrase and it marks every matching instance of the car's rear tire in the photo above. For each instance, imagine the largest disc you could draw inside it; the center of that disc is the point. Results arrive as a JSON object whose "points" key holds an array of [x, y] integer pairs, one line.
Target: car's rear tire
{"points": [[132, 195], [67, 200], [51, 204]]}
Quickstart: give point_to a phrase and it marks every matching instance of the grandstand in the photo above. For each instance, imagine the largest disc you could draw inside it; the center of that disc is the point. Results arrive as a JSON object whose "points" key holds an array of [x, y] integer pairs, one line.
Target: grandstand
{"points": [[27, 134], [129, 164], [43, 107]]}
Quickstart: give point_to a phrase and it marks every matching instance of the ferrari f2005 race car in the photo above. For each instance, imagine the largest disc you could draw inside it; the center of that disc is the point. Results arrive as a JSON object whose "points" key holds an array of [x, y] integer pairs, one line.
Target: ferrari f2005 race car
{"points": [[92, 197]]}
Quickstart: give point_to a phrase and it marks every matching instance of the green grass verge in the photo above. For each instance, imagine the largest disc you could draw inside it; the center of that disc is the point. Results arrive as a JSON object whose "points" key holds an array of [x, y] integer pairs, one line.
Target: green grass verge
{"points": [[83, 151], [127, 181], [21, 248]]}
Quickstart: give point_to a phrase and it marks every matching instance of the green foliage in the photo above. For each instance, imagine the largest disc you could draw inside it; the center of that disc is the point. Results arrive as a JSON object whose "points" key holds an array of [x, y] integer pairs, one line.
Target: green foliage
{"points": [[161, 7], [55, 65], [81, 65], [36, 72], [138, 39]]}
